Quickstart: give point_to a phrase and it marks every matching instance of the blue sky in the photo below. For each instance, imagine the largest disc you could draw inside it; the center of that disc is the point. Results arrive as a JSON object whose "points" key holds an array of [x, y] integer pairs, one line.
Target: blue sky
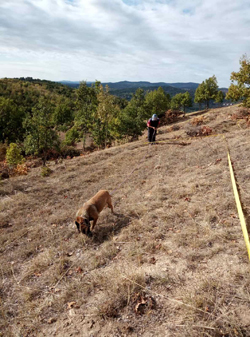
{"points": [[115, 40]]}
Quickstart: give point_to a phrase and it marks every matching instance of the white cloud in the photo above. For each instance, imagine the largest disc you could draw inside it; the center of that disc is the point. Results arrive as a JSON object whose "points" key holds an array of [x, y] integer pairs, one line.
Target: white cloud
{"points": [[112, 40]]}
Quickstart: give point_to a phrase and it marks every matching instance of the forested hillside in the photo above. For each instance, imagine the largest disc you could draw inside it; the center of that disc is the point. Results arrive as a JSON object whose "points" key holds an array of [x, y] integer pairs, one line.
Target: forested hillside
{"points": [[128, 92], [33, 112], [46, 119]]}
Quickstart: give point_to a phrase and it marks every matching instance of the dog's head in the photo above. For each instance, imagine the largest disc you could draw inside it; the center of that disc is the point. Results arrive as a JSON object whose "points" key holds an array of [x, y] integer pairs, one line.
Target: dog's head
{"points": [[83, 225]]}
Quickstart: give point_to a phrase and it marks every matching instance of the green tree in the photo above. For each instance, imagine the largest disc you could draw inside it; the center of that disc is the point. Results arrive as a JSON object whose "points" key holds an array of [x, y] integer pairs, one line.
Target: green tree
{"points": [[121, 102], [157, 101], [241, 90], [11, 117], [186, 101], [134, 116], [176, 101], [106, 118], [13, 155], [181, 101], [72, 136], [86, 106], [40, 134], [219, 97], [64, 112], [206, 91]]}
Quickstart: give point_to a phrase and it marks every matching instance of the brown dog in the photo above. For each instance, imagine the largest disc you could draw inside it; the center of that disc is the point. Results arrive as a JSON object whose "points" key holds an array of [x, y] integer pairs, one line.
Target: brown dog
{"points": [[90, 211]]}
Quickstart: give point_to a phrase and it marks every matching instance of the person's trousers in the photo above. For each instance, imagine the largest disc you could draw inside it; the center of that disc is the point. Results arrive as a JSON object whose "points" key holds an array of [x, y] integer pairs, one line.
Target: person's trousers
{"points": [[151, 135]]}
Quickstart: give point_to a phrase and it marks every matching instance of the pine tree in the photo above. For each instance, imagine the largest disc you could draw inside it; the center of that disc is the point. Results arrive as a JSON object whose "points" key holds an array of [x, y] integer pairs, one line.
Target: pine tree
{"points": [[40, 134], [206, 91], [11, 116], [186, 101], [106, 118], [219, 97], [241, 90], [134, 116], [157, 101], [86, 106]]}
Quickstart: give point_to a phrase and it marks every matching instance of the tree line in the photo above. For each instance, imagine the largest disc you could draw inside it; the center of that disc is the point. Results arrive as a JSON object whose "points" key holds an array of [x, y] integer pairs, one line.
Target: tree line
{"points": [[33, 113]]}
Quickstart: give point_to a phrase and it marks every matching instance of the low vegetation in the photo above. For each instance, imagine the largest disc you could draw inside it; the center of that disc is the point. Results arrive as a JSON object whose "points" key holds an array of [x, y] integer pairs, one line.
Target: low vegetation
{"points": [[170, 261]]}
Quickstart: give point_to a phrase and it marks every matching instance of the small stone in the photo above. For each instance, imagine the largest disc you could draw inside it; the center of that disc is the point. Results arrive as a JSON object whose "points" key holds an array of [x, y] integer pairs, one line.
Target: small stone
{"points": [[72, 312]]}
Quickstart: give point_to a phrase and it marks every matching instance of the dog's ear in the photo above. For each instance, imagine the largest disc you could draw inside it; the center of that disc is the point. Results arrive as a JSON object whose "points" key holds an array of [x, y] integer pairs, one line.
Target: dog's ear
{"points": [[78, 226]]}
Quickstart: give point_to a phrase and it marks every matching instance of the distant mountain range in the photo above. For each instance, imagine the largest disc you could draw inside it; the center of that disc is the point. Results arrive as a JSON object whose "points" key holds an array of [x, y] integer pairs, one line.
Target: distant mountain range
{"points": [[140, 84], [126, 89]]}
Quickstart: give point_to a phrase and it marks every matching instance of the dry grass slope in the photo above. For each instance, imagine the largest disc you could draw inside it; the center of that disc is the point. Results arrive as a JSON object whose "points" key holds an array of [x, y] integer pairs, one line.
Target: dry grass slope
{"points": [[170, 262]]}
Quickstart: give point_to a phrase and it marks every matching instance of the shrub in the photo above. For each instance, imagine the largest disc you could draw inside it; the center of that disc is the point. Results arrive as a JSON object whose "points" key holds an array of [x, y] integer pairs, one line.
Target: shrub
{"points": [[21, 169], [62, 128], [203, 130], [13, 155], [197, 120], [242, 113], [171, 116], [72, 136], [46, 171], [174, 128]]}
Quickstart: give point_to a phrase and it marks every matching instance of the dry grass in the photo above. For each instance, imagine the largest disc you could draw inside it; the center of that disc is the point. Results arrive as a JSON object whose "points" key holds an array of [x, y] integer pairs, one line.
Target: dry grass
{"points": [[170, 262]]}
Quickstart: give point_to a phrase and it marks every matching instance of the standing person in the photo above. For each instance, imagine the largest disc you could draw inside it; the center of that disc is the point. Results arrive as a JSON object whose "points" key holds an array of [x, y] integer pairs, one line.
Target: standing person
{"points": [[152, 125]]}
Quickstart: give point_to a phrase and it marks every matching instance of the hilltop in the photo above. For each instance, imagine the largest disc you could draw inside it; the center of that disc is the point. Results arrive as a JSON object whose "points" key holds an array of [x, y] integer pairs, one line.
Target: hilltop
{"points": [[171, 261]]}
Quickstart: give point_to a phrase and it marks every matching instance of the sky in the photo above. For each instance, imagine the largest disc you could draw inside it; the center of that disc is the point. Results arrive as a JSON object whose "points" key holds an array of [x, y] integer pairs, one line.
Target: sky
{"points": [[115, 40]]}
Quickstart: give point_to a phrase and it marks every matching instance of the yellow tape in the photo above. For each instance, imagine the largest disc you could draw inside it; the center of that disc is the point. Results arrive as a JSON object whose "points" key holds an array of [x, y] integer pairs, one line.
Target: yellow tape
{"points": [[239, 207]]}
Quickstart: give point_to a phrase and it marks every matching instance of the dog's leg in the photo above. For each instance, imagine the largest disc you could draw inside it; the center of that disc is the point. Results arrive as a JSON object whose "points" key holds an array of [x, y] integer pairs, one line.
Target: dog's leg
{"points": [[78, 226], [109, 202], [93, 224]]}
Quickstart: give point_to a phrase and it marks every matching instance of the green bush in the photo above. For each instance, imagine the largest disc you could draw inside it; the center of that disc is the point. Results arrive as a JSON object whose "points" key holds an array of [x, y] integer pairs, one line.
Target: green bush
{"points": [[46, 171], [62, 128], [13, 155], [72, 136]]}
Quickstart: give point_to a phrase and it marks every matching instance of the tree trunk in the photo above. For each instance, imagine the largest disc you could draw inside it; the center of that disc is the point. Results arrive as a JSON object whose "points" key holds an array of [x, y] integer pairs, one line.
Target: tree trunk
{"points": [[44, 157], [106, 134]]}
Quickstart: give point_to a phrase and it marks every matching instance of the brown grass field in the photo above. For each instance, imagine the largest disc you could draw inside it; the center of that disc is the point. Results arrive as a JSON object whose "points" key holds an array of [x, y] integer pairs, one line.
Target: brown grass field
{"points": [[171, 262]]}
